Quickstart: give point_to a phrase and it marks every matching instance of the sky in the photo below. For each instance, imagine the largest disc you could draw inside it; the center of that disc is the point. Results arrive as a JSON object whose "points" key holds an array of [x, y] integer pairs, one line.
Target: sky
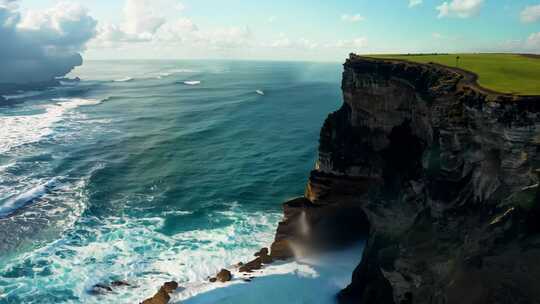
{"points": [[279, 29]]}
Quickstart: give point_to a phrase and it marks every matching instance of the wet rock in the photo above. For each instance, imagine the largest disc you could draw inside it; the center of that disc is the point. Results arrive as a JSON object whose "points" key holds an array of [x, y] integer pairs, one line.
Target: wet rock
{"points": [[120, 284], [224, 276], [212, 280], [256, 264], [264, 256], [163, 294], [100, 289], [161, 297], [281, 249], [170, 287], [262, 252]]}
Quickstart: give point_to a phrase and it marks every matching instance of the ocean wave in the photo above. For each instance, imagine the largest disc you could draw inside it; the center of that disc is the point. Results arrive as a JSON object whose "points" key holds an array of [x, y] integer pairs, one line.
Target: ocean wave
{"points": [[123, 79], [192, 82], [168, 73], [18, 130], [27, 197], [179, 71], [21, 95], [38, 214], [134, 250]]}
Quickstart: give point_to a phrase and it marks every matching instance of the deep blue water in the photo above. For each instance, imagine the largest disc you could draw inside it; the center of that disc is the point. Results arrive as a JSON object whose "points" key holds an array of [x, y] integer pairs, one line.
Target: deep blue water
{"points": [[150, 179]]}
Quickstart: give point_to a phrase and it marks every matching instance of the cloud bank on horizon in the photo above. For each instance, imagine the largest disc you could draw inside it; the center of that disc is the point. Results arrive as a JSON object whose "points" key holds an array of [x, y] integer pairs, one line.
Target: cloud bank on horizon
{"points": [[44, 39], [37, 46]]}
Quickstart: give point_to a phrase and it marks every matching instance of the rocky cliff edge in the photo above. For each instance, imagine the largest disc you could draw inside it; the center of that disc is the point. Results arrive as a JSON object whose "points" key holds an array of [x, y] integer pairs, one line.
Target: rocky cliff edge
{"points": [[439, 175]]}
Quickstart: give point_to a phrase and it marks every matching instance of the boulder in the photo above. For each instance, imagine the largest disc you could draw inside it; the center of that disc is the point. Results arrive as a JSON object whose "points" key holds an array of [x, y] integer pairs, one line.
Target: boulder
{"points": [[162, 296], [253, 265], [224, 276]]}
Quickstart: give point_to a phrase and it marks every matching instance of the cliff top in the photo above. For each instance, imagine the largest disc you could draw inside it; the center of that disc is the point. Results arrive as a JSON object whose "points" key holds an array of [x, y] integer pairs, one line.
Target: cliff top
{"points": [[499, 73]]}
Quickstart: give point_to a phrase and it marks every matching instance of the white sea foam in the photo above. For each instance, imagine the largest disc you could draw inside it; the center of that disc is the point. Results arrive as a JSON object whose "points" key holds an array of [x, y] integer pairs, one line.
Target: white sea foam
{"points": [[21, 94], [19, 130], [192, 82], [124, 79], [21, 200], [179, 71], [136, 251], [316, 280]]}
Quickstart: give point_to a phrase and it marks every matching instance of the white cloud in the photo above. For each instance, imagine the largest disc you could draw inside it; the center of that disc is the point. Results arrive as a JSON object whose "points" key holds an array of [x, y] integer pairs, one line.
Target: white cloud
{"points": [[352, 18], [460, 8], [352, 44], [413, 3], [141, 17], [531, 14], [437, 35], [533, 43], [151, 21], [284, 42], [272, 19], [176, 30], [225, 38], [38, 46]]}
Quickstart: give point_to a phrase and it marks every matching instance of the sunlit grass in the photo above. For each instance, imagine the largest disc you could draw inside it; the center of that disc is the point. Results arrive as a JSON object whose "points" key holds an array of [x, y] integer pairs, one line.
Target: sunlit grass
{"points": [[505, 73]]}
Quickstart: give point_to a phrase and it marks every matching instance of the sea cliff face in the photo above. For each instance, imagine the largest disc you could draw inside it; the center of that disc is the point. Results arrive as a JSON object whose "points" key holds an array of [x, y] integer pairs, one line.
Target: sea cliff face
{"points": [[439, 176]]}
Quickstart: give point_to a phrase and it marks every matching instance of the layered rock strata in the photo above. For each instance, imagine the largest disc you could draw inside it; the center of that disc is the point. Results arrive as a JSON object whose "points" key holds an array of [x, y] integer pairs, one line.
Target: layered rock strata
{"points": [[438, 174]]}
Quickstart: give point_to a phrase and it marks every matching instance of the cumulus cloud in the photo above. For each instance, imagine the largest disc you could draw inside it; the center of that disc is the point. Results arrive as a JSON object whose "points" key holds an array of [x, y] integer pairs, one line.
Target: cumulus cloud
{"points": [[352, 44], [151, 21], [413, 3], [531, 14], [460, 8], [533, 43], [352, 18], [285, 43], [38, 46]]}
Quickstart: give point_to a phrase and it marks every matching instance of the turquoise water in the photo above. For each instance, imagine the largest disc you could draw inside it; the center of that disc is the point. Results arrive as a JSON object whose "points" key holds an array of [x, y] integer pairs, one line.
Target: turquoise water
{"points": [[131, 174]]}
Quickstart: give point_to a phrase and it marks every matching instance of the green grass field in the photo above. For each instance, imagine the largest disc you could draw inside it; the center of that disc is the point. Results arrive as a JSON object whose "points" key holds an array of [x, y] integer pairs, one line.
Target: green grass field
{"points": [[505, 73]]}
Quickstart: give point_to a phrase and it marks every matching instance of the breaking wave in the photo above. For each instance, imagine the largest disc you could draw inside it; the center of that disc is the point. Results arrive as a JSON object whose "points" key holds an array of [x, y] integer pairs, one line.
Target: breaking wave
{"points": [[18, 130]]}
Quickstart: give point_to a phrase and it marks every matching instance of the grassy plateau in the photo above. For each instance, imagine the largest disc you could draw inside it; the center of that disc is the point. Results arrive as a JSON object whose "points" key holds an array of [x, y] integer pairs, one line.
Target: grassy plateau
{"points": [[504, 73]]}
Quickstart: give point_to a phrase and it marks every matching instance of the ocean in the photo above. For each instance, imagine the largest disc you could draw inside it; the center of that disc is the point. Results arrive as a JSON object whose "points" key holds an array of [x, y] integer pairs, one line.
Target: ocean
{"points": [[149, 171]]}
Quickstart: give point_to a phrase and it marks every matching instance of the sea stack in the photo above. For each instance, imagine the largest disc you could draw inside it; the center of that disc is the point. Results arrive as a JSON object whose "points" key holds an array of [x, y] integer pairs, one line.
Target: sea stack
{"points": [[439, 174]]}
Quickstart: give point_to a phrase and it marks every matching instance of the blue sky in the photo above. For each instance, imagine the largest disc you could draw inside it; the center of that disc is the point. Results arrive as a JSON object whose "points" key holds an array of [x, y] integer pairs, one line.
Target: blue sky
{"points": [[305, 30]]}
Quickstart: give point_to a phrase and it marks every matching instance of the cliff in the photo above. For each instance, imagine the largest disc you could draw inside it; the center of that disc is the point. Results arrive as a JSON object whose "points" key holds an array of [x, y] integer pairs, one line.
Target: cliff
{"points": [[438, 174]]}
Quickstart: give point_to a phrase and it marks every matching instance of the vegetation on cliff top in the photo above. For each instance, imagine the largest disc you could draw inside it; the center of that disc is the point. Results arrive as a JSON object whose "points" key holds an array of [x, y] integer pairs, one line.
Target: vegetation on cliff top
{"points": [[505, 73]]}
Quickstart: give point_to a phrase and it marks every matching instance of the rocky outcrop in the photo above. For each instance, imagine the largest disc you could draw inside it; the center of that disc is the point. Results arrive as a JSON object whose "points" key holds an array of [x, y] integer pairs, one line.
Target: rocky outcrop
{"points": [[163, 294], [439, 176], [224, 276]]}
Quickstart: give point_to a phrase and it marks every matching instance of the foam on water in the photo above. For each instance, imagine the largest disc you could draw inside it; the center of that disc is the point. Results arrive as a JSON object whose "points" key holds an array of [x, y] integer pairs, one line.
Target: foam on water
{"points": [[314, 280], [134, 250], [19, 130], [22, 94], [21, 200], [123, 79]]}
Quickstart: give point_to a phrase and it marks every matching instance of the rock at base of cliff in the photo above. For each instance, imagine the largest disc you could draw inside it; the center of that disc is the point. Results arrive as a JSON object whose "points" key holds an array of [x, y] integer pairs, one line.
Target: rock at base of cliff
{"points": [[224, 276], [281, 250], [163, 295]]}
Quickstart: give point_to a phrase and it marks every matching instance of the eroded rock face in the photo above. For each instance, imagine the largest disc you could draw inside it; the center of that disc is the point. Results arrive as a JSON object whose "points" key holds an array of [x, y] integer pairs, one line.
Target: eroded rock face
{"points": [[445, 175]]}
